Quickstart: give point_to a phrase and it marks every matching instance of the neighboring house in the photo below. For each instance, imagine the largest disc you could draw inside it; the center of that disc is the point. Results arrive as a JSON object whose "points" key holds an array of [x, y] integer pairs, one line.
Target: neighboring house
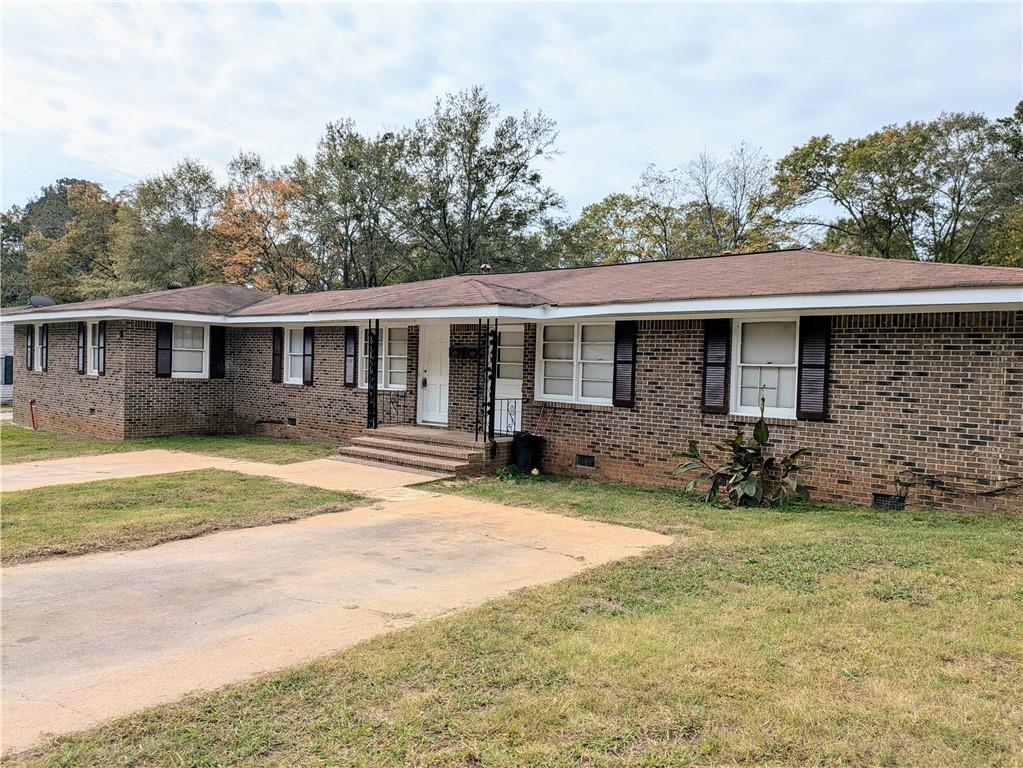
{"points": [[6, 362], [889, 371]]}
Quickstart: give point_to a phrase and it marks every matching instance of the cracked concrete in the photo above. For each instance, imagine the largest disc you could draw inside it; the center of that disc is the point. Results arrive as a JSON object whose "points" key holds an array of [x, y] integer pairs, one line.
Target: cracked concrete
{"points": [[93, 637]]}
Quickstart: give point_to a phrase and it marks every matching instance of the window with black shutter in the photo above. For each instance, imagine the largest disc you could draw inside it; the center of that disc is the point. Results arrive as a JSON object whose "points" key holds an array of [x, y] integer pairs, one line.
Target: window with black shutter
{"points": [[44, 346], [101, 348], [81, 348], [624, 395], [351, 355], [717, 344], [30, 346], [277, 356], [814, 360], [308, 339], [8, 370], [218, 351], [164, 349]]}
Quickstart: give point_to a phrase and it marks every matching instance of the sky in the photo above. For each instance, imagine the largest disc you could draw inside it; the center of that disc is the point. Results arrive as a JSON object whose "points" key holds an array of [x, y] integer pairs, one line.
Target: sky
{"points": [[118, 92]]}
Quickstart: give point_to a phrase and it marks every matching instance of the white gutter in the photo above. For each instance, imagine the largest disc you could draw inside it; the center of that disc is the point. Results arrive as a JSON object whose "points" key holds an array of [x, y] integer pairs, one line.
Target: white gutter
{"points": [[867, 302]]}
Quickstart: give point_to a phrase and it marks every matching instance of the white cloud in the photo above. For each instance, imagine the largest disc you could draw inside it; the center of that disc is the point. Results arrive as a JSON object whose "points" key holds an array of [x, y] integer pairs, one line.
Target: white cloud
{"points": [[117, 92]]}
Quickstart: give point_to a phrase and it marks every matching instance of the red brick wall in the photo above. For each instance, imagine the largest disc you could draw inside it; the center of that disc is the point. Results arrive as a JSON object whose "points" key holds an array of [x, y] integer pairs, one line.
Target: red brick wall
{"points": [[942, 393]]}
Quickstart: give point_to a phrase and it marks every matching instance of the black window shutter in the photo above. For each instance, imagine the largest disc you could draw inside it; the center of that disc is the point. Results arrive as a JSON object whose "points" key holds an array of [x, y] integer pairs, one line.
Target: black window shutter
{"points": [[814, 361], [164, 342], [44, 346], [717, 359], [101, 344], [351, 355], [218, 351], [30, 340], [308, 337], [277, 357], [8, 370], [624, 384], [82, 351]]}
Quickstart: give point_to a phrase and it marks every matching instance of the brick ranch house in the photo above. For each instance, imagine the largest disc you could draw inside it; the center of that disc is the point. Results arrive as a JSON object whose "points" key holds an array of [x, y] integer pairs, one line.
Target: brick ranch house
{"points": [[901, 377]]}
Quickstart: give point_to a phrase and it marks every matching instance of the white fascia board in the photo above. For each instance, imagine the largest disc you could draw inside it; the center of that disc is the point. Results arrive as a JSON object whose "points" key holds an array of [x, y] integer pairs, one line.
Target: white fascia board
{"points": [[867, 302]]}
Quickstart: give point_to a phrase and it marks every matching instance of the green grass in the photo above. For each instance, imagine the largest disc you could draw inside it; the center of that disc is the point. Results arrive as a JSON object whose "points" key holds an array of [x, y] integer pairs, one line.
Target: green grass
{"points": [[139, 512], [19, 444], [810, 637]]}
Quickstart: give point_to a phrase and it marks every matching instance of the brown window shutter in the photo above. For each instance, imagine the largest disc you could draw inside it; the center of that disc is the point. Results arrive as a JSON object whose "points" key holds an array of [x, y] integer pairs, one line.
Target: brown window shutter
{"points": [[308, 338], [277, 356], [814, 361], [624, 382], [717, 359], [218, 351], [351, 355], [164, 344], [30, 342], [82, 351], [101, 344], [44, 346]]}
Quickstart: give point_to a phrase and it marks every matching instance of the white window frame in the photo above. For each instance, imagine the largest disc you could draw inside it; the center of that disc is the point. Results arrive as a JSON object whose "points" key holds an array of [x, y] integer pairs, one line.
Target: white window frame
{"points": [[383, 375], [37, 347], [520, 329], [91, 337], [736, 370], [577, 368], [205, 372], [286, 376]]}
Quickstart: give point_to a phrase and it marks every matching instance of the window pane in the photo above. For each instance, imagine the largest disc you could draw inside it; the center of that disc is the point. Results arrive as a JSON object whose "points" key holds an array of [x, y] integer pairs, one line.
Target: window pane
{"points": [[396, 378], [509, 354], [595, 351], [509, 370], [557, 351], [557, 387], [398, 334], [601, 389], [94, 356], [787, 388], [773, 343], [188, 337], [559, 333], [295, 340], [510, 338], [605, 333], [187, 361], [557, 370], [295, 367], [597, 371]]}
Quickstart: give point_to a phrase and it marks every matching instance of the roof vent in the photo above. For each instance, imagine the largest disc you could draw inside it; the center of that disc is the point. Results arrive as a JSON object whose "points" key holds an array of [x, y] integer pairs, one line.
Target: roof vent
{"points": [[174, 286], [485, 268], [41, 301]]}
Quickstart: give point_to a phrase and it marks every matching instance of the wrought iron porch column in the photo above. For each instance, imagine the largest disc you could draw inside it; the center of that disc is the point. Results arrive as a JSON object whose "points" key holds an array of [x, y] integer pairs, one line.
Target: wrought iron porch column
{"points": [[372, 366], [492, 338]]}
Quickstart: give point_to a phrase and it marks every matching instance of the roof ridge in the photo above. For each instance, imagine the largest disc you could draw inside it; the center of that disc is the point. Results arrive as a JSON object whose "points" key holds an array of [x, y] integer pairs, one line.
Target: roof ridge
{"points": [[862, 257]]}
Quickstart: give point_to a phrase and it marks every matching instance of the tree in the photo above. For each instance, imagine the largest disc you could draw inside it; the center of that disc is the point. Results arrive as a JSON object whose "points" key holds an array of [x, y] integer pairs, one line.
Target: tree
{"points": [[471, 183], [608, 232], [929, 191], [77, 263], [163, 231], [348, 193], [14, 282], [258, 240]]}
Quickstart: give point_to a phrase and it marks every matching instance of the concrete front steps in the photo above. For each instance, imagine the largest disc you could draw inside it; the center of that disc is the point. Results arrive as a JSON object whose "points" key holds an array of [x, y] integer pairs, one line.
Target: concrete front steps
{"points": [[428, 448]]}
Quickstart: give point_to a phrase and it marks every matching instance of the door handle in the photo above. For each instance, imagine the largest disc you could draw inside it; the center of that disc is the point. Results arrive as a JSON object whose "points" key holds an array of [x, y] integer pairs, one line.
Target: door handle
{"points": [[424, 382]]}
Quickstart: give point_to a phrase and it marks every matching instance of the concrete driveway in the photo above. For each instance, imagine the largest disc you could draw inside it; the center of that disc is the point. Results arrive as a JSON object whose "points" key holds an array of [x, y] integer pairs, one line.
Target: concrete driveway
{"points": [[92, 637]]}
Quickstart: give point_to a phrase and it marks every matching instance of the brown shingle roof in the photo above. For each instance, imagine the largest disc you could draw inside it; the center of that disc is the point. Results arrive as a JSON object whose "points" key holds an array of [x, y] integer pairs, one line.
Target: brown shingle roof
{"points": [[770, 273]]}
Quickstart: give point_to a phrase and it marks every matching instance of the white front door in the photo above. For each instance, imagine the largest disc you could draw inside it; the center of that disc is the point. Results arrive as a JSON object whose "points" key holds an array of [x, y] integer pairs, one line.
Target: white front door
{"points": [[434, 341]]}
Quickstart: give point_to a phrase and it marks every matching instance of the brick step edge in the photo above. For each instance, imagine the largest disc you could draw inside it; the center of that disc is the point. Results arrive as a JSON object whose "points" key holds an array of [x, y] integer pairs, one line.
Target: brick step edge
{"points": [[427, 449], [407, 459]]}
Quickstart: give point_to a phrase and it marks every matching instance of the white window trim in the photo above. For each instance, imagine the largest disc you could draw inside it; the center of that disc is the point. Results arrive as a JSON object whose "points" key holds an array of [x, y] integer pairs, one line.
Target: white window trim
{"points": [[382, 385], [577, 370], [286, 362], [205, 372], [90, 338], [747, 410], [37, 347]]}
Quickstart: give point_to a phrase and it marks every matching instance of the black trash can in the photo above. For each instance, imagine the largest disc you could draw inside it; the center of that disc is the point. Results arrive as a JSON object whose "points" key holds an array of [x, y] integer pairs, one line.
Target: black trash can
{"points": [[527, 451]]}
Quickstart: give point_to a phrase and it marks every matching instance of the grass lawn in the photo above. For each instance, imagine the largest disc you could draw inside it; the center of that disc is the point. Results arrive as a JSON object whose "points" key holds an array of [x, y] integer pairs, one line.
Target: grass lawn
{"points": [[812, 637], [20, 444], [139, 512]]}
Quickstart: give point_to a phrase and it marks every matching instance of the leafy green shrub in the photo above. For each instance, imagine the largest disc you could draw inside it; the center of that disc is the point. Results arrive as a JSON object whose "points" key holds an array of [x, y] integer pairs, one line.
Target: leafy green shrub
{"points": [[747, 474]]}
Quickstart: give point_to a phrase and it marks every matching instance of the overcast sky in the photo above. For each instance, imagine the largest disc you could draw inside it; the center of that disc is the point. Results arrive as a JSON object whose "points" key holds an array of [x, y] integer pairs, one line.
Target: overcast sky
{"points": [[114, 93]]}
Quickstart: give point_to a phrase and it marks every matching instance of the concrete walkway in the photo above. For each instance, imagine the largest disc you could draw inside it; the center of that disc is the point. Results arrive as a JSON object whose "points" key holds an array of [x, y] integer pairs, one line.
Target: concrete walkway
{"points": [[333, 474], [93, 637]]}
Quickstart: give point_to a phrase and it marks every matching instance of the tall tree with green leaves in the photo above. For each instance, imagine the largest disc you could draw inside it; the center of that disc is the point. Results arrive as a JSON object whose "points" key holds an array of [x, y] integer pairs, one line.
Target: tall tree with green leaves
{"points": [[472, 183]]}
